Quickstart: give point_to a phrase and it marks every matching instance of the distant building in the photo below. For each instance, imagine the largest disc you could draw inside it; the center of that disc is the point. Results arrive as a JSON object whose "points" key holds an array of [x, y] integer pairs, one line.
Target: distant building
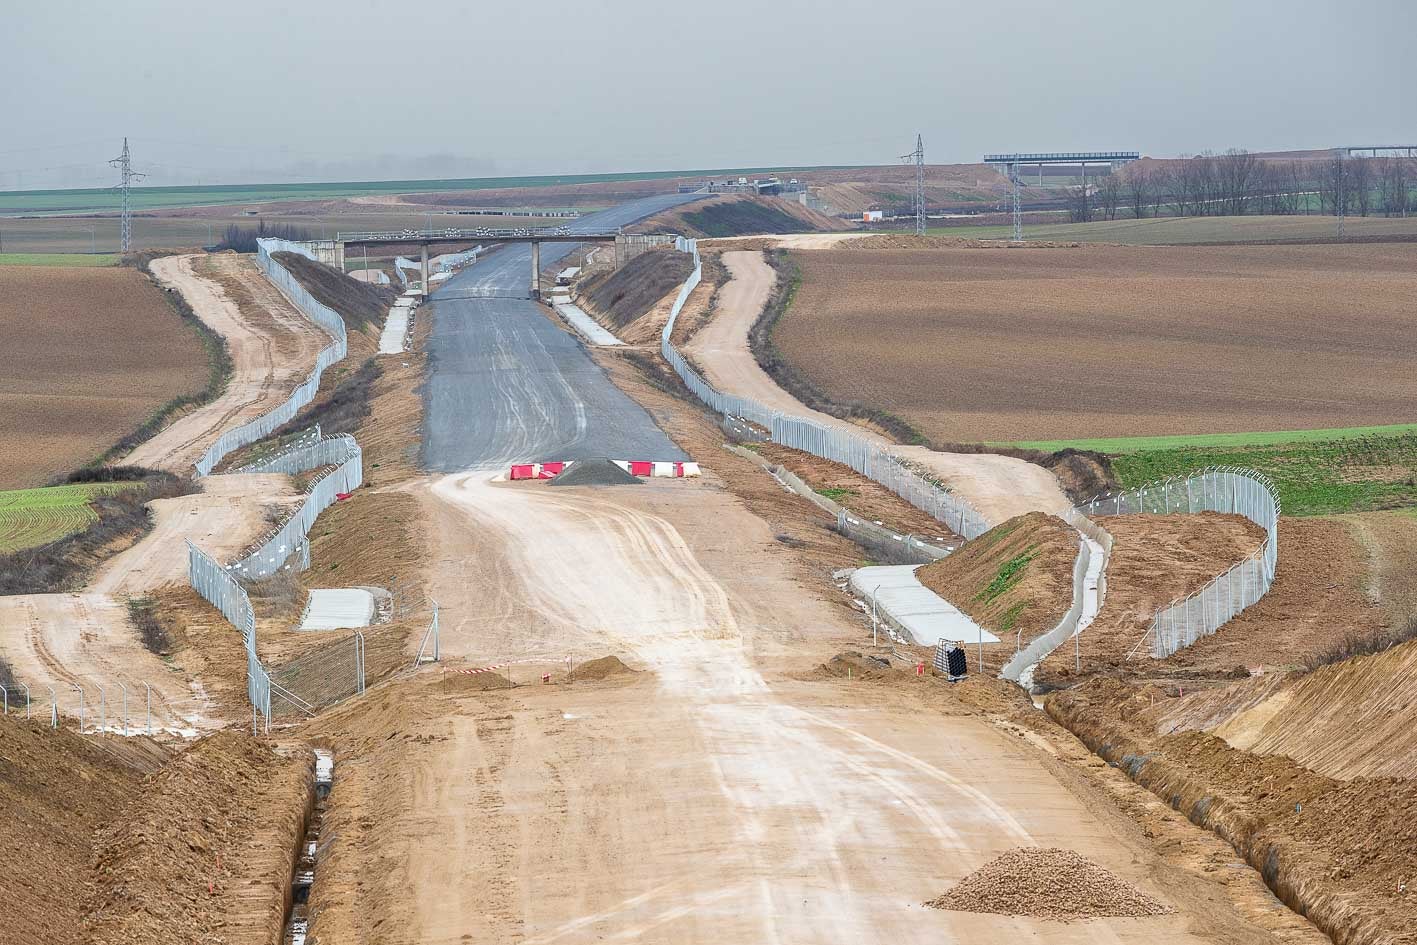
{"points": [[872, 216]]}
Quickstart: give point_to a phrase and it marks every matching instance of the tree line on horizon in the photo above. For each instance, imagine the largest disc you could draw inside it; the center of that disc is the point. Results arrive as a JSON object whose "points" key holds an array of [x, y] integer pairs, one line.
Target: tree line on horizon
{"points": [[1239, 182]]}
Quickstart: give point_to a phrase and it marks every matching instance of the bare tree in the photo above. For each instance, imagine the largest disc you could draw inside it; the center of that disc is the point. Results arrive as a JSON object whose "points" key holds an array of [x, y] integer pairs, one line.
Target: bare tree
{"points": [[1109, 195], [1079, 201], [1333, 184], [1138, 190], [1360, 176], [1237, 174], [1394, 187]]}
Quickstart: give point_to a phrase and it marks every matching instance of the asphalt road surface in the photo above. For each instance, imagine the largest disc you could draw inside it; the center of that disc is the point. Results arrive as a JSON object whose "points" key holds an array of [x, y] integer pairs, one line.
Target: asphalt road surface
{"points": [[506, 385]]}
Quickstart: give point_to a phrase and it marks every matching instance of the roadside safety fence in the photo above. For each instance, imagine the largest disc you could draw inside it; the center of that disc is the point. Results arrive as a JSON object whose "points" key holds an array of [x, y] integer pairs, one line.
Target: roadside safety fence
{"points": [[1228, 489], [327, 318], [833, 443]]}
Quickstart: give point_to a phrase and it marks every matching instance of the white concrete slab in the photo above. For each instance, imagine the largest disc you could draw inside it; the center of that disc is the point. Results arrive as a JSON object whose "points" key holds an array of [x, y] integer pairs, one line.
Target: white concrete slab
{"points": [[588, 328], [921, 612], [341, 608], [395, 328]]}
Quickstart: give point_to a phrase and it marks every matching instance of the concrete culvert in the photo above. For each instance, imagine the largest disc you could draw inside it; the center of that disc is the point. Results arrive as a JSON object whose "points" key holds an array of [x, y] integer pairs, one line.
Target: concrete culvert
{"points": [[595, 472]]}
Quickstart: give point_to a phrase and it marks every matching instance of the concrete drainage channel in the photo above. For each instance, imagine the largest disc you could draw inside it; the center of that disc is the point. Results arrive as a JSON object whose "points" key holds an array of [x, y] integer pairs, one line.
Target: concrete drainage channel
{"points": [[297, 919]]}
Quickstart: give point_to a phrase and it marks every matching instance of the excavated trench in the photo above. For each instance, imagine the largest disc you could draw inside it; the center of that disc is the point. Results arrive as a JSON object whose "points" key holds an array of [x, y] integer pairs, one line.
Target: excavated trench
{"points": [[297, 917]]}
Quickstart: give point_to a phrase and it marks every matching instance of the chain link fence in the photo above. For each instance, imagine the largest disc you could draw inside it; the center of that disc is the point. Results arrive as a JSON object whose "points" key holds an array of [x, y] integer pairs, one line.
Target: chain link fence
{"points": [[1228, 489], [833, 443], [327, 318]]}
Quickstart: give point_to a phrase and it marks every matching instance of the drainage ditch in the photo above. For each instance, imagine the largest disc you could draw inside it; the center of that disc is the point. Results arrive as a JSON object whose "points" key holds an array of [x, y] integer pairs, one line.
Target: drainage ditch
{"points": [[297, 919]]}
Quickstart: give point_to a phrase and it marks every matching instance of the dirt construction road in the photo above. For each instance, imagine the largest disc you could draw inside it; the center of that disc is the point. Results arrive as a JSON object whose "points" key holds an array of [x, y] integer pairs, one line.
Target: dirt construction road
{"points": [[712, 797], [87, 639], [1000, 487], [272, 348]]}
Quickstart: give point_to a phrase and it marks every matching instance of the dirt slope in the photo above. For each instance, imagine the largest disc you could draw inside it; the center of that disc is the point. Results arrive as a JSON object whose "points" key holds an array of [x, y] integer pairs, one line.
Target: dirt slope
{"points": [[358, 302], [1016, 580], [625, 294], [1155, 559], [272, 348]]}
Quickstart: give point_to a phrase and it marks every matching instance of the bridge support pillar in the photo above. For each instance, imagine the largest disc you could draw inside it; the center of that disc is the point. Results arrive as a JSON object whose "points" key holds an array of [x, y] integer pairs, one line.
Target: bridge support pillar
{"points": [[536, 270], [427, 289]]}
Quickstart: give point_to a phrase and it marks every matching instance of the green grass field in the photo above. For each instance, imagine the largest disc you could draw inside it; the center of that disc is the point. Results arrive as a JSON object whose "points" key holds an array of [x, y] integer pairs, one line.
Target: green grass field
{"points": [[1178, 231], [85, 260], [1314, 476], [33, 517], [153, 198], [1138, 444]]}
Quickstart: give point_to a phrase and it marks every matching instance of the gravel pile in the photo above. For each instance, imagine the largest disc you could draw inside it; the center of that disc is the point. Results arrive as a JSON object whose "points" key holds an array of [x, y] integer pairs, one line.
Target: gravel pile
{"points": [[1047, 883], [595, 472]]}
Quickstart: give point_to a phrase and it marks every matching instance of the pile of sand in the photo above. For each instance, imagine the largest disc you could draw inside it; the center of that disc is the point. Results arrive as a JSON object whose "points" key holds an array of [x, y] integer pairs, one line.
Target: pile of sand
{"points": [[601, 668], [1047, 883]]}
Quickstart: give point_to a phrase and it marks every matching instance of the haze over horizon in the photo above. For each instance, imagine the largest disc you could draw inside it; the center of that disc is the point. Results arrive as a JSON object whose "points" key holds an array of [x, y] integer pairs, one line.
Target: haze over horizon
{"points": [[267, 92]]}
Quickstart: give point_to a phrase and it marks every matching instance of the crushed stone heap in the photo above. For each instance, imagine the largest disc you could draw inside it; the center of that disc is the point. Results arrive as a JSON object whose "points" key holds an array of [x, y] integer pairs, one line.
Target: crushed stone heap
{"points": [[1047, 883]]}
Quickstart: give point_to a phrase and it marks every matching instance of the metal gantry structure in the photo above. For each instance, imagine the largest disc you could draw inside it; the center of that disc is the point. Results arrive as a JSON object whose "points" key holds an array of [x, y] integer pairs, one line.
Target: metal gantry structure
{"points": [[918, 156], [1082, 158], [124, 163]]}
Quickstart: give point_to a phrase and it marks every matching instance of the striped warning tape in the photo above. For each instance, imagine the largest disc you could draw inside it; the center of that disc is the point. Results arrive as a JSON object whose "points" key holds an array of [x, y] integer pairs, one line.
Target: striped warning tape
{"points": [[488, 669]]}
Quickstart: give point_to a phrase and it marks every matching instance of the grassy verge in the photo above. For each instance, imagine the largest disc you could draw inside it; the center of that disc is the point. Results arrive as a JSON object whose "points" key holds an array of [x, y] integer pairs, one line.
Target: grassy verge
{"points": [[121, 517], [33, 517], [81, 260], [1313, 476], [219, 368], [1137, 444]]}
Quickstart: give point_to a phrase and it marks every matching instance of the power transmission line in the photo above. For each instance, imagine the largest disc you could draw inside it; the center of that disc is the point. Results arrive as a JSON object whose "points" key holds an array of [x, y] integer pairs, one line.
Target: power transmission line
{"points": [[124, 163], [918, 155]]}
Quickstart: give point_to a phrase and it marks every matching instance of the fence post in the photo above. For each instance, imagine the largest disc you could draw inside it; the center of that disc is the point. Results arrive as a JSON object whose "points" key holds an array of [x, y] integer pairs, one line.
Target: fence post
{"points": [[53, 708], [124, 690], [82, 708], [5, 693], [150, 706], [27, 699]]}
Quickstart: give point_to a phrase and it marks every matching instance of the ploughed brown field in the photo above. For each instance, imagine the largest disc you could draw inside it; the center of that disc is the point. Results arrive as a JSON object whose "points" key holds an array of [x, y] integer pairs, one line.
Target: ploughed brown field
{"points": [[1097, 341], [86, 355]]}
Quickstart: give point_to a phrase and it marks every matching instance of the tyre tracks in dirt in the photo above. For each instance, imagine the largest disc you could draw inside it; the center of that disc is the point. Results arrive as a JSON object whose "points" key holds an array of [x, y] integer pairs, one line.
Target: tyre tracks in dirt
{"points": [[272, 348], [716, 796], [86, 639]]}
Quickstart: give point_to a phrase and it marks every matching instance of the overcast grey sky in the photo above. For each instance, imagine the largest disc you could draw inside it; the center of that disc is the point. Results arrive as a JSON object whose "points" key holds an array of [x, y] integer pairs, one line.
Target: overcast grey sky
{"points": [[319, 89]]}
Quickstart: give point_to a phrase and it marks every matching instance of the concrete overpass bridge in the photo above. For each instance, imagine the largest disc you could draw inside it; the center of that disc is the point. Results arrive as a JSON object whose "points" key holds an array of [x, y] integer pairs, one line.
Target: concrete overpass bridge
{"points": [[409, 240]]}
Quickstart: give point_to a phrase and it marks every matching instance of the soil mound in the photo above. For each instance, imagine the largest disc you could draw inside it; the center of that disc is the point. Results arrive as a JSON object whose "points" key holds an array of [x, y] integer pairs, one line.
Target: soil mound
{"points": [[602, 668], [853, 664], [1017, 577], [629, 292], [1047, 883], [475, 682], [595, 472]]}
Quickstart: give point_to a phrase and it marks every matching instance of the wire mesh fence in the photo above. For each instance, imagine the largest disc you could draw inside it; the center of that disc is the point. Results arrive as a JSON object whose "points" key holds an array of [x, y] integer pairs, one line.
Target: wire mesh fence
{"points": [[829, 442], [1227, 489], [318, 678], [327, 318]]}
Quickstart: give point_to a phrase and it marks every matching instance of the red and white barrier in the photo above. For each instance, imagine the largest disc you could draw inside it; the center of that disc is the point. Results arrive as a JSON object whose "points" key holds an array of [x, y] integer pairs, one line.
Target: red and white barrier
{"points": [[658, 470], [642, 468]]}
